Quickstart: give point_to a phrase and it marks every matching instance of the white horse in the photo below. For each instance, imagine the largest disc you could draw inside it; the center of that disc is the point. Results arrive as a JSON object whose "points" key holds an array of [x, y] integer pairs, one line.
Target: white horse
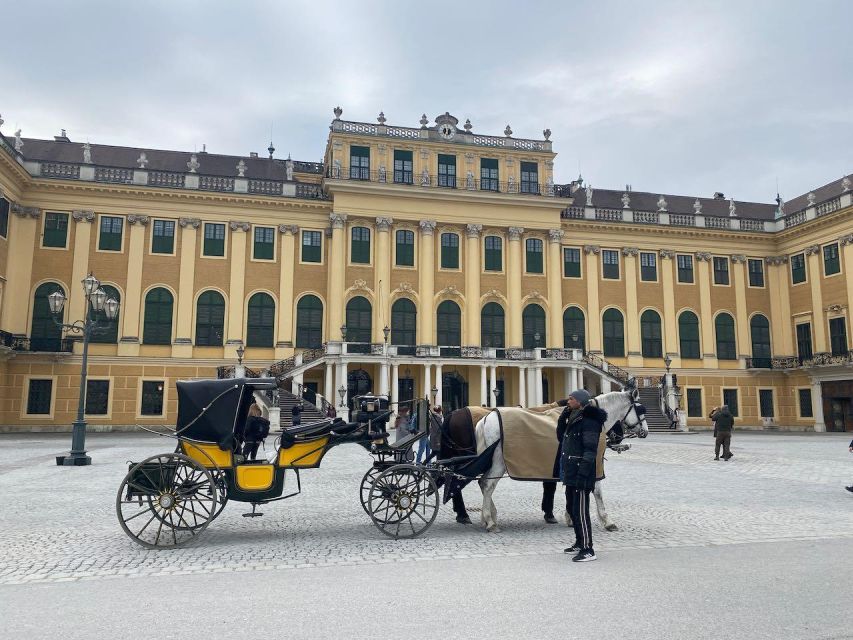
{"points": [[621, 406]]}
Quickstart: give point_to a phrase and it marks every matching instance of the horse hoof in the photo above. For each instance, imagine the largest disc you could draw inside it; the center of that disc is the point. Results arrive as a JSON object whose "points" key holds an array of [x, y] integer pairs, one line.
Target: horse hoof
{"points": [[494, 529], [612, 527]]}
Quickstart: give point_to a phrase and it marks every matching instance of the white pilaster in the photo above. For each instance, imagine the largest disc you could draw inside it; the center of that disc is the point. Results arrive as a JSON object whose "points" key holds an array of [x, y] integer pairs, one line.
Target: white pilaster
{"points": [[522, 387], [539, 399], [340, 381], [428, 381], [395, 387], [383, 382], [817, 407], [329, 383], [484, 387], [493, 384]]}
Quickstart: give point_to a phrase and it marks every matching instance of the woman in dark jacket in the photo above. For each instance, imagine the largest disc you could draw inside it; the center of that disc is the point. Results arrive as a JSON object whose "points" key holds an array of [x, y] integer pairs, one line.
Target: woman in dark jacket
{"points": [[583, 424]]}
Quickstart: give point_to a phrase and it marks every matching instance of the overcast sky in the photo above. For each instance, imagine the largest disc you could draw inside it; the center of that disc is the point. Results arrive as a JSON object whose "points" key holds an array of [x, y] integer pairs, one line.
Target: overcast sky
{"points": [[669, 97]]}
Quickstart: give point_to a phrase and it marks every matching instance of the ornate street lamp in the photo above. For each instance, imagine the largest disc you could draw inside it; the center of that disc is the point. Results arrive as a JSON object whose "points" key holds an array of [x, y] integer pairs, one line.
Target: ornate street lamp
{"points": [[387, 332], [536, 337], [96, 301], [241, 350], [342, 391], [434, 391], [343, 333], [495, 391], [668, 362]]}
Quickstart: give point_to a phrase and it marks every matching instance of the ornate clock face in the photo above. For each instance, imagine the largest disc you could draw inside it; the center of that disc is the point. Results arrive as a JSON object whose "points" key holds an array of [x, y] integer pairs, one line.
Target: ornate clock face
{"points": [[447, 131]]}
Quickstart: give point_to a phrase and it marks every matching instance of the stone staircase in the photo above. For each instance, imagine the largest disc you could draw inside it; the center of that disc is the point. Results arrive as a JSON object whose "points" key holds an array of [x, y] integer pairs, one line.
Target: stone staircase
{"points": [[655, 418], [286, 400]]}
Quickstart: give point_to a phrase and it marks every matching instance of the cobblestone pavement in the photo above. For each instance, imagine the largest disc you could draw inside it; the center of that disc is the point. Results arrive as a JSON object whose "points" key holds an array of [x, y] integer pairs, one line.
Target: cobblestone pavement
{"points": [[59, 524]]}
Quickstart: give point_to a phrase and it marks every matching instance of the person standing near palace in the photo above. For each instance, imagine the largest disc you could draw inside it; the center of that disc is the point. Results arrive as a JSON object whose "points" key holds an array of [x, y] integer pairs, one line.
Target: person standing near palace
{"points": [[850, 448], [583, 424], [296, 413], [724, 423]]}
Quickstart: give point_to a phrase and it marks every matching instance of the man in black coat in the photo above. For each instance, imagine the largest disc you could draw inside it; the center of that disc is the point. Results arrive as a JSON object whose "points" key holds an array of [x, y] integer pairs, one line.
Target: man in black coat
{"points": [[583, 424], [850, 448]]}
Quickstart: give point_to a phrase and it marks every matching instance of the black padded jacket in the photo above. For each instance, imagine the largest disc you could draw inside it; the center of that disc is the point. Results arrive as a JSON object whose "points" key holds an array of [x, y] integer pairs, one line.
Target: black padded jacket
{"points": [[580, 447]]}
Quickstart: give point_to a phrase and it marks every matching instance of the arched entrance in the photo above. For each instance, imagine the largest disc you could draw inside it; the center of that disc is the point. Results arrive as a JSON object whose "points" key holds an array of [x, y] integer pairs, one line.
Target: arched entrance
{"points": [[454, 391], [359, 383]]}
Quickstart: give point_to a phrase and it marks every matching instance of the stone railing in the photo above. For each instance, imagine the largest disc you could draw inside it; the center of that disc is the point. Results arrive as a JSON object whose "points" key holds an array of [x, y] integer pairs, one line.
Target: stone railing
{"points": [[60, 170], [215, 183], [795, 219], [266, 187], [110, 174], [682, 220], [165, 179], [611, 215], [572, 213], [713, 222], [827, 207], [647, 217]]}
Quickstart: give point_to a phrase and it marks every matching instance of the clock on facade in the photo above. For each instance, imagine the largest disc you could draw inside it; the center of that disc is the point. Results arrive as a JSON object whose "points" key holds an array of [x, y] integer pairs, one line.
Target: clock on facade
{"points": [[447, 131]]}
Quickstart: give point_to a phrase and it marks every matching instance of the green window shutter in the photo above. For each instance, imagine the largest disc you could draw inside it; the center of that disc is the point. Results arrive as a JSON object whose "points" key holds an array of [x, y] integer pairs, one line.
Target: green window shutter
{"points": [[806, 403], [359, 163], [831, 262], [449, 251], [264, 248], [97, 397], [721, 271], [534, 255], [312, 246], [685, 269], [403, 167], [4, 217], [572, 263], [163, 239], [110, 237], [38, 397], [756, 273], [210, 319], [260, 321], [694, 403], [405, 248], [724, 325], [158, 317], [55, 230], [494, 258], [648, 267], [529, 177], [152, 398], [360, 248], [610, 262], [489, 174], [688, 333], [446, 171], [107, 333], [214, 239]]}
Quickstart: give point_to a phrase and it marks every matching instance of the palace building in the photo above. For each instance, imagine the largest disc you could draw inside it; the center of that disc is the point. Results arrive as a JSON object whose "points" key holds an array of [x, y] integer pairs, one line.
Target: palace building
{"points": [[415, 261]]}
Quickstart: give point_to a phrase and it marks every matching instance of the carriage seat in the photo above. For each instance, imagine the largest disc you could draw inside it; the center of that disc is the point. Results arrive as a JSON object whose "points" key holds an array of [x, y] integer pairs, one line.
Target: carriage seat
{"points": [[313, 429]]}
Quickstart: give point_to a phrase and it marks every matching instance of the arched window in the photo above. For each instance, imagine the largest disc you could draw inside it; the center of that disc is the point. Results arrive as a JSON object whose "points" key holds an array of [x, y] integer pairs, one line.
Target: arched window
{"points": [[107, 332], [650, 334], [360, 249], [158, 317], [574, 329], [309, 322], [260, 322], [404, 322], [359, 320], [688, 335], [492, 326], [724, 326], [759, 329], [210, 319], [449, 324], [533, 326], [44, 334], [614, 333]]}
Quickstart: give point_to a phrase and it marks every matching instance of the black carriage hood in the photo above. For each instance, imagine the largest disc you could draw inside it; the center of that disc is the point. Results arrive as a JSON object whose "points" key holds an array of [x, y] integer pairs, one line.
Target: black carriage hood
{"points": [[214, 410]]}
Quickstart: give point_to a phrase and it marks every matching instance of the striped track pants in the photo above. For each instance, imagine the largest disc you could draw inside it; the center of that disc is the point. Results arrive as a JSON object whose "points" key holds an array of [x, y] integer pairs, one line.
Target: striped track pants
{"points": [[579, 510]]}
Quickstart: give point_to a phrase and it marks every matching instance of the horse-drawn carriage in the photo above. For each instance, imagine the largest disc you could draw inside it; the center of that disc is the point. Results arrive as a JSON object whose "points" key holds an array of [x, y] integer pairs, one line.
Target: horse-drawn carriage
{"points": [[169, 499]]}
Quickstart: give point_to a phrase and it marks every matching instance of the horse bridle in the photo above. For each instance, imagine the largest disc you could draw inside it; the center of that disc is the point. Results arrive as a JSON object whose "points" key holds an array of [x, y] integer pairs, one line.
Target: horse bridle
{"points": [[631, 407]]}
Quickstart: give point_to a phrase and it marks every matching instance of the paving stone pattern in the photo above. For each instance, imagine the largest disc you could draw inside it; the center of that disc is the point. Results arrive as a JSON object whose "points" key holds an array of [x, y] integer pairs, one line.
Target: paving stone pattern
{"points": [[59, 524]]}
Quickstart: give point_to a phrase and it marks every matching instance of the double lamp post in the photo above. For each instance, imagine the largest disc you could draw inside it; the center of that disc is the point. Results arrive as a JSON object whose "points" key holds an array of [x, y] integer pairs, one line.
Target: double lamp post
{"points": [[97, 303]]}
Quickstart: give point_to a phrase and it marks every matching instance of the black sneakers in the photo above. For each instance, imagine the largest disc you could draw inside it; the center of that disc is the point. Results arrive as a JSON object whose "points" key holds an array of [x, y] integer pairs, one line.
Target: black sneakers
{"points": [[575, 548], [850, 488], [463, 519], [586, 555], [550, 519]]}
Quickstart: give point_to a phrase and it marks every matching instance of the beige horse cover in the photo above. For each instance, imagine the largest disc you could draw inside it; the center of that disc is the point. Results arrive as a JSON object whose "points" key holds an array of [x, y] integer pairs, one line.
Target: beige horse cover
{"points": [[529, 442]]}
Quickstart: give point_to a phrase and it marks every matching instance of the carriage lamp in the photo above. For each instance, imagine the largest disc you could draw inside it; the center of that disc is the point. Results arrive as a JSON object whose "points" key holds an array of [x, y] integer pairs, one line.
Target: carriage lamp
{"points": [[343, 333], [90, 284], [56, 301], [342, 391], [387, 332], [668, 362], [241, 350]]}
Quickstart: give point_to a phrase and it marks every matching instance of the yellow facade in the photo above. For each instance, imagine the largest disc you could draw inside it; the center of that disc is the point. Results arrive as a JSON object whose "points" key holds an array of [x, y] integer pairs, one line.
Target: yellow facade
{"points": [[386, 194]]}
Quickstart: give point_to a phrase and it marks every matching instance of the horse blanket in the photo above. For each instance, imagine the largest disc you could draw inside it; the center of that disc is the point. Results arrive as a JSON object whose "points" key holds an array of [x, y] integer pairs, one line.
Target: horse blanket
{"points": [[530, 445]]}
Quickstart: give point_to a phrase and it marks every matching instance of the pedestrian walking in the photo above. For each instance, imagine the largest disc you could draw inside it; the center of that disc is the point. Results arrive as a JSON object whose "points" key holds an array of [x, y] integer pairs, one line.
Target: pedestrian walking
{"points": [[582, 425], [423, 445], [296, 414], [724, 423], [401, 425], [850, 449]]}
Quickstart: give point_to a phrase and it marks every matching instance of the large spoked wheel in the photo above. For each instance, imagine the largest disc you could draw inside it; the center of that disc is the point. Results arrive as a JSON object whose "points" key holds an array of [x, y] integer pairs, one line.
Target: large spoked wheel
{"points": [[166, 501], [403, 501], [366, 483]]}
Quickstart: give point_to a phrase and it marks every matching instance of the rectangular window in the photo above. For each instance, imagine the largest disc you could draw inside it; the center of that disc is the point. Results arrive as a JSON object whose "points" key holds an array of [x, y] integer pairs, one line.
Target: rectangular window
{"points": [[831, 262], [152, 398], [798, 268], [756, 273], [163, 239], [572, 263], [214, 239], [838, 336], [529, 177], [805, 403], [489, 174], [97, 397], [493, 253], [4, 217], [804, 341], [446, 171], [359, 163], [694, 403], [610, 264], [534, 249], [402, 167], [312, 246], [264, 248], [360, 248], [38, 397], [730, 398], [765, 403], [449, 251], [648, 267], [685, 269], [721, 271], [110, 238], [405, 248], [55, 230]]}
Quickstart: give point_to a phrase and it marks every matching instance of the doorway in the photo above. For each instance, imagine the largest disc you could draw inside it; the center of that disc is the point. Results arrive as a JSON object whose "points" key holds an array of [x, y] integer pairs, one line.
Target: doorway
{"points": [[454, 392], [838, 405]]}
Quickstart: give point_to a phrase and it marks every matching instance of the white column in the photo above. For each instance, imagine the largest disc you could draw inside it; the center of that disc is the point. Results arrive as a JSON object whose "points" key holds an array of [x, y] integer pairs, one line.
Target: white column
{"points": [[395, 387], [539, 399], [817, 407], [484, 387], [340, 381], [522, 387], [570, 383], [383, 382], [531, 387], [428, 382], [493, 384], [438, 385], [605, 385], [329, 384]]}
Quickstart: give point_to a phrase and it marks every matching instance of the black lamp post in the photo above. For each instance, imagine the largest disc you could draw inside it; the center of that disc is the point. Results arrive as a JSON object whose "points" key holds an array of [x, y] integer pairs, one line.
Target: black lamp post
{"points": [[343, 333], [342, 391], [96, 301], [536, 337], [241, 350], [668, 362], [434, 391], [387, 332]]}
